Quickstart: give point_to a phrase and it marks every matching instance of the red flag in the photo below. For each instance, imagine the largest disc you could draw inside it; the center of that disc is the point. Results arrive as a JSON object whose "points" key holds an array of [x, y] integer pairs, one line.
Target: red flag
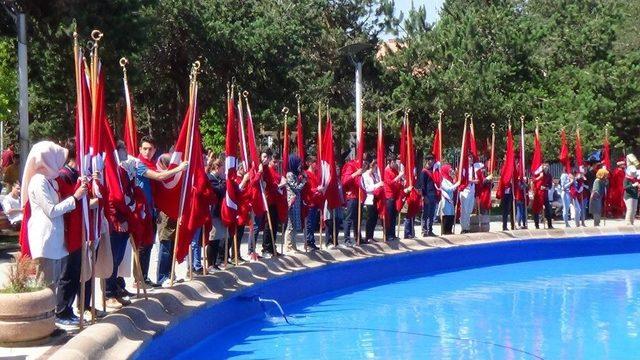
{"points": [[329, 173], [403, 142], [130, 130], [463, 165], [536, 159], [437, 145], [300, 137], [473, 148], [188, 189], [506, 173], [606, 152], [229, 209], [564, 153], [579, 158], [259, 202], [380, 158], [414, 200]]}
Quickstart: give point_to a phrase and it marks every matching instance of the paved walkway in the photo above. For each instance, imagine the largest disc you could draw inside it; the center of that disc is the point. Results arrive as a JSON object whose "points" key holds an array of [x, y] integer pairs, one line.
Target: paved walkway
{"points": [[49, 347]]}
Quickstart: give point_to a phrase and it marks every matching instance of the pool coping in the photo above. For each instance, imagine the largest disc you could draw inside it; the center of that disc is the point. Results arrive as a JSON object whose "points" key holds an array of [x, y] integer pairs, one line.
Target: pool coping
{"points": [[121, 334]]}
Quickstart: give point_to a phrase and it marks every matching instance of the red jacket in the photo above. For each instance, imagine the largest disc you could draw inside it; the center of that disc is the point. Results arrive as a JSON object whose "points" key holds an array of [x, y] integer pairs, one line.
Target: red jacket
{"points": [[392, 188], [310, 195], [67, 185], [350, 185]]}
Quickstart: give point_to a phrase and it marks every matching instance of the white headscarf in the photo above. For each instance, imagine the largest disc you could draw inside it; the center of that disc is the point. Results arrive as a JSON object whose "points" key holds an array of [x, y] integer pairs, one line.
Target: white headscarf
{"points": [[46, 158]]}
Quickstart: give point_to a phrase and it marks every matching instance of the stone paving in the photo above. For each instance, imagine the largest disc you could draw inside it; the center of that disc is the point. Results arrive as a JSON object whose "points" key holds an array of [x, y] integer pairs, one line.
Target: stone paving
{"points": [[121, 333]]}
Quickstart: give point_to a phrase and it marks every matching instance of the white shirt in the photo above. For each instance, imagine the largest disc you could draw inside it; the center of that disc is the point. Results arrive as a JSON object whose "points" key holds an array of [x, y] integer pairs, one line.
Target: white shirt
{"points": [[46, 225], [11, 203], [370, 182]]}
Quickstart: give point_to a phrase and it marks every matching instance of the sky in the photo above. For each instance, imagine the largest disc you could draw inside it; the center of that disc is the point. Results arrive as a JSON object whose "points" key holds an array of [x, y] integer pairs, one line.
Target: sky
{"points": [[432, 6]]}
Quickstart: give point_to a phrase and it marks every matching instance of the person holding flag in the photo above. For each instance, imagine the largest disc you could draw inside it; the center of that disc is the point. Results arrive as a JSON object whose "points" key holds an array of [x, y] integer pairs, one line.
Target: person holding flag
{"points": [[430, 195], [566, 179], [373, 186], [351, 172], [296, 179], [468, 194], [446, 207], [393, 184], [313, 199], [543, 194]]}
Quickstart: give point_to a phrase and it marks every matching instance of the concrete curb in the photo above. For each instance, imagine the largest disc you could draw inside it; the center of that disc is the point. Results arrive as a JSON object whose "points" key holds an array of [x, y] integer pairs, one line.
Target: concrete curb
{"points": [[121, 334]]}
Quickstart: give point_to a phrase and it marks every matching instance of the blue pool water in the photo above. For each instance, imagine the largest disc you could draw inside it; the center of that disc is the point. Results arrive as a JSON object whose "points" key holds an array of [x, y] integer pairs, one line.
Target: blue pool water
{"points": [[575, 308]]}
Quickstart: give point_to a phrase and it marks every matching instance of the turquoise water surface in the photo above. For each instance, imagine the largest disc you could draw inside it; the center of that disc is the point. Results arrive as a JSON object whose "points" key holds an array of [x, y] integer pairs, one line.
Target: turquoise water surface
{"points": [[576, 308]]}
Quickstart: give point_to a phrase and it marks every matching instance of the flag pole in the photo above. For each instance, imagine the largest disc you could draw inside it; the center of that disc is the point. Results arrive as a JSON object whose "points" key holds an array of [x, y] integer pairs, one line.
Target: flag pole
{"points": [[604, 201], [513, 194], [285, 112], [546, 194], [439, 155], [359, 140], [319, 161], [128, 117], [304, 220], [193, 90], [77, 53], [464, 140], [476, 204], [379, 142], [96, 35], [525, 191], [245, 94]]}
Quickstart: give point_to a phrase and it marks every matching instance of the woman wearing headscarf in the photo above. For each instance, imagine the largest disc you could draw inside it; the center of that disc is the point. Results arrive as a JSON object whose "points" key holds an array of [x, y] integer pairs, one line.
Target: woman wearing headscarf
{"points": [[446, 208], [42, 233], [598, 193], [296, 180]]}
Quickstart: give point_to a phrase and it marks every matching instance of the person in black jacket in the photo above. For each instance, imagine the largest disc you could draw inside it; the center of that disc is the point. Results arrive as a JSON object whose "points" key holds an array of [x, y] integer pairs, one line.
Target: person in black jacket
{"points": [[219, 232], [430, 197]]}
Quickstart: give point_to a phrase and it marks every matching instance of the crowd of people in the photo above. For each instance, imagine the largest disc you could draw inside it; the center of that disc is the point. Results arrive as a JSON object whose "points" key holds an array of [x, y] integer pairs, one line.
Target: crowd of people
{"points": [[55, 194]]}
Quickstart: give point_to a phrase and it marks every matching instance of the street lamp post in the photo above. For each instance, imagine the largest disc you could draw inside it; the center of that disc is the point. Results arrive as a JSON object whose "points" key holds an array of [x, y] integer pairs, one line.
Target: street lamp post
{"points": [[20, 19]]}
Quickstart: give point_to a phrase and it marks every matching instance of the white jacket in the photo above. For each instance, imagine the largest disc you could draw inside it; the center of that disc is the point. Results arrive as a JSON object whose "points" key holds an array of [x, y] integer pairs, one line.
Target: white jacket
{"points": [[46, 224]]}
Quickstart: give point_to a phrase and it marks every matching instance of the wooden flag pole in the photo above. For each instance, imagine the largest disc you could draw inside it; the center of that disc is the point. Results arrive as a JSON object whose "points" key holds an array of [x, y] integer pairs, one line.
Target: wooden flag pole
{"points": [[319, 163], [285, 112], [193, 88], [245, 94], [457, 197], [525, 191], [440, 114]]}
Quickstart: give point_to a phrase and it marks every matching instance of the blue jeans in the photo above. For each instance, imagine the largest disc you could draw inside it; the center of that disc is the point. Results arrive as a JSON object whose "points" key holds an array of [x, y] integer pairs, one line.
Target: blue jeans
{"points": [[196, 251], [310, 226], [164, 263], [351, 219], [429, 205], [520, 218], [119, 242], [409, 231]]}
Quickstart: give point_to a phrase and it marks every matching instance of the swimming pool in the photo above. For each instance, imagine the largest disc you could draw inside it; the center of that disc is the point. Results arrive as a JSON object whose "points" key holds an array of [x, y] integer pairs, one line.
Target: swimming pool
{"points": [[555, 299]]}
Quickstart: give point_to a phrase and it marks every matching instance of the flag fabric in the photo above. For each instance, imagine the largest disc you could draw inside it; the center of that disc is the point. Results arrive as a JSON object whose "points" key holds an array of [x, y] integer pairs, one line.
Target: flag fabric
{"points": [[130, 135], [259, 200], [579, 157], [414, 199], [564, 153], [473, 147], [463, 165], [189, 189], [437, 146], [380, 158], [536, 159], [229, 209], [300, 137], [506, 173], [329, 177]]}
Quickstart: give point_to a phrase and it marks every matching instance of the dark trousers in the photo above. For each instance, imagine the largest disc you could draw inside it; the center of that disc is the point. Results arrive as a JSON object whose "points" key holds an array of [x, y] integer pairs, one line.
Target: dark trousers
{"points": [[547, 214], [68, 285], [392, 215], [213, 249], [329, 228], [506, 203], [447, 224], [262, 224], [313, 219], [409, 230], [145, 258], [429, 205], [164, 262], [372, 221], [118, 247], [351, 219]]}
